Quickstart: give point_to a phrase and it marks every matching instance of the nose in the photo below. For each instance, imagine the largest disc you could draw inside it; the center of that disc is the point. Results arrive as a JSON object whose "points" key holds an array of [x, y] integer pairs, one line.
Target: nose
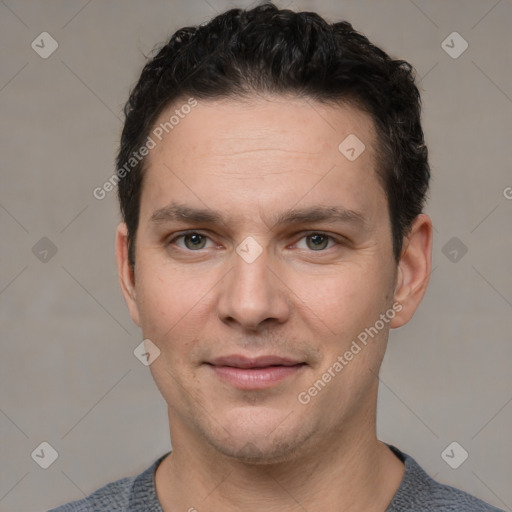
{"points": [[252, 296]]}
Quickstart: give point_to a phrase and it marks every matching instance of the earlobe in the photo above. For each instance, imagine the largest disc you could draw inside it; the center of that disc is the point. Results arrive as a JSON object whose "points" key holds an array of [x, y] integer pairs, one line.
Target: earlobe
{"points": [[414, 269], [126, 273]]}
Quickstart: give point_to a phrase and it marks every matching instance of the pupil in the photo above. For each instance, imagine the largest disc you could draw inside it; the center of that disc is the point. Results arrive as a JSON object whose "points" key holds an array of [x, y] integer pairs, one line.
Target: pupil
{"points": [[317, 238], [195, 240]]}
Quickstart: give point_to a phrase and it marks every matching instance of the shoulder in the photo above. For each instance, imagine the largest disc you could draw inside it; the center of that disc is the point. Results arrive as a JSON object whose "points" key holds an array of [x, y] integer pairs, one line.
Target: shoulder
{"points": [[113, 496], [421, 493], [127, 494]]}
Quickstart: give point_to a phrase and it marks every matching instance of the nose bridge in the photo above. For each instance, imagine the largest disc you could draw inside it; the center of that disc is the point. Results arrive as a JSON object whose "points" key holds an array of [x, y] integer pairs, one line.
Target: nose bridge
{"points": [[251, 293]]}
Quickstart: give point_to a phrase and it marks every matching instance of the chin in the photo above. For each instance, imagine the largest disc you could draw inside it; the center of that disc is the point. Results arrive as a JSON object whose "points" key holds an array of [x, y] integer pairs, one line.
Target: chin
{"points": [[257, 453], [261, 442]]}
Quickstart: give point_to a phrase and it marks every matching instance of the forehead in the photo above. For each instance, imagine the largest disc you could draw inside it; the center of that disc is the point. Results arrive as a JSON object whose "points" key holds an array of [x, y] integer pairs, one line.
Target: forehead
{"points": [[269, 152], [231, 126]]}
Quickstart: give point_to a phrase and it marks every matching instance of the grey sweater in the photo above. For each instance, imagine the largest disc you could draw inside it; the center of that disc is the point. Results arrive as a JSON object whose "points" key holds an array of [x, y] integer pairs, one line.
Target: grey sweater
{"points": [[417, 493]]}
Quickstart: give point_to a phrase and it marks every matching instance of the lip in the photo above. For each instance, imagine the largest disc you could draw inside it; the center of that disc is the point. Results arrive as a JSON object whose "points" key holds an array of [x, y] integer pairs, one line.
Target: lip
{"points": [[254, 373], [239, 361]]}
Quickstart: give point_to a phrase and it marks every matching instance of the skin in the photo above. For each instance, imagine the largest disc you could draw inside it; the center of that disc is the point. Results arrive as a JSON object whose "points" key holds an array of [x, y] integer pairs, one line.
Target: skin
{"points": [[303, 297]]}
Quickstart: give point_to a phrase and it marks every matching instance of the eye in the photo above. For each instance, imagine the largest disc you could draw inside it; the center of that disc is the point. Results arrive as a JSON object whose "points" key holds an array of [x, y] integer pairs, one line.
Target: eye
{"points": [[193, 241], [317, 241]]}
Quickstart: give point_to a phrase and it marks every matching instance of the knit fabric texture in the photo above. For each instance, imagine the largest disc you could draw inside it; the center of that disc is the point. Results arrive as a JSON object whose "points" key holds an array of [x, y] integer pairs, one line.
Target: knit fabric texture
{"points": [[417, 493]]}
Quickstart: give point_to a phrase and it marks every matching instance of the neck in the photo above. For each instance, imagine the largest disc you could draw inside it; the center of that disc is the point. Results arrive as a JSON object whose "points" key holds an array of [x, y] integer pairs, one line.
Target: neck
{"points": [[345, 472]]}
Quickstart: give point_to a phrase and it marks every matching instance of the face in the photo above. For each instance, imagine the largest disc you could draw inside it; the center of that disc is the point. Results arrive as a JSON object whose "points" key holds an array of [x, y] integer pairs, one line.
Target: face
{"points": [[262, 254]]}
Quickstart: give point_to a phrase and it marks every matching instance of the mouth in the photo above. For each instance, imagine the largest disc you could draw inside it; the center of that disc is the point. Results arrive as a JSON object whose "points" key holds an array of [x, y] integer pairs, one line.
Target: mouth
{"points": [[254, 373]]}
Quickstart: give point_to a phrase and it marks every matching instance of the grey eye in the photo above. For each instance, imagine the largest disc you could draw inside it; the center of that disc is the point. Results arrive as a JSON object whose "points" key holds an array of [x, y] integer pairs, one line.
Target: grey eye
{"points": [[319, 241], [197, 241]]}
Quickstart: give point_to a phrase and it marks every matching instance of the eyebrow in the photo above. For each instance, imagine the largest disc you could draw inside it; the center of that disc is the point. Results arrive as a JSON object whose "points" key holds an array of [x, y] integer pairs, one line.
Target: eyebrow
{"points": [[175, 212]]}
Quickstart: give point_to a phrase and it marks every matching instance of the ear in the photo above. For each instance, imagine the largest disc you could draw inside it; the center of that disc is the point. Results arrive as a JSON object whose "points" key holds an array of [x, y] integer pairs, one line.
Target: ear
{"points": [[125, 272], [414, 270]]}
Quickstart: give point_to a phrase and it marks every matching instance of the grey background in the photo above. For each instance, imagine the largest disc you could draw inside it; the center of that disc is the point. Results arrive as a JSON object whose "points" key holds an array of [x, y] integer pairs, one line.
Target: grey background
{"points": [[68, 373]]}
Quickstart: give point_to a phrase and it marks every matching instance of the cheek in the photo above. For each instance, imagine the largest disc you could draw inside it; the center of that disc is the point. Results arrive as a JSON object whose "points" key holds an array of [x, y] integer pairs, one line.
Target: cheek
{"points": [[174, 306], [163, 297], [345, 300]]}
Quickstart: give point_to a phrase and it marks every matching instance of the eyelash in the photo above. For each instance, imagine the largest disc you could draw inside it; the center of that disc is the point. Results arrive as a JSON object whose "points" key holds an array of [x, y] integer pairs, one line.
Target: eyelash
{"points": [[337, 241]]}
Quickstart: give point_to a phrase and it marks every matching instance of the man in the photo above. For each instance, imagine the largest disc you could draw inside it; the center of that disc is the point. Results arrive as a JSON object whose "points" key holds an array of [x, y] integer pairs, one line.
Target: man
{"points": [[272, 175]]}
